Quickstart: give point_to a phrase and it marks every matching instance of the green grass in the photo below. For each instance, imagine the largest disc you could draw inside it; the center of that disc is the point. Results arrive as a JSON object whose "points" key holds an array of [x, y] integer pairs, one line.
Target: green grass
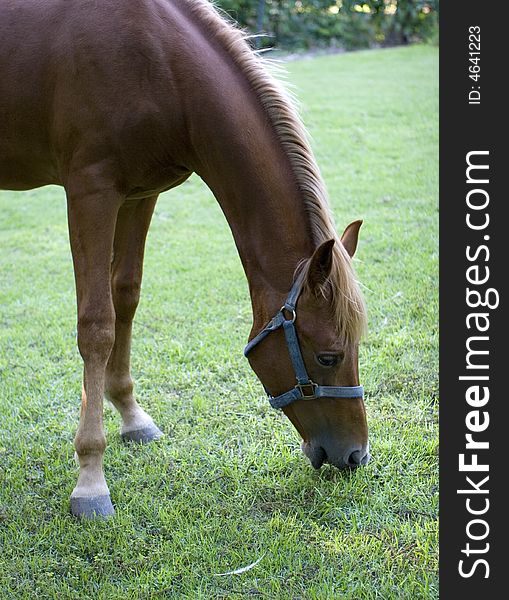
{"points": [[228, 483]]}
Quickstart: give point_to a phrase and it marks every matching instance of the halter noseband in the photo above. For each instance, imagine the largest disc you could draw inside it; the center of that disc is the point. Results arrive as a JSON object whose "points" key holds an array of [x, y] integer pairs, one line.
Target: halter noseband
{"points": [[305, 388]]}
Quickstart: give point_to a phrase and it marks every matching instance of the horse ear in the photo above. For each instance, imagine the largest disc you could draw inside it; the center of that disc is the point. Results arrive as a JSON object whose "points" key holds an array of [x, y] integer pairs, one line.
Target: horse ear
{"points": [[320, 265], [350, 237]]}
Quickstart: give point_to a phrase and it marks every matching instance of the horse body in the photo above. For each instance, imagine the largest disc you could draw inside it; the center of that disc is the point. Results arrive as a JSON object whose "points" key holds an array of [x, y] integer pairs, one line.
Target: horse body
{"points": [[118, 102], [72, 95]]}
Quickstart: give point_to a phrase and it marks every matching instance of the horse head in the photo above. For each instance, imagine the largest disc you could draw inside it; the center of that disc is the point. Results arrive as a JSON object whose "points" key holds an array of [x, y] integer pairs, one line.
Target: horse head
{"points": [[314, 339]]}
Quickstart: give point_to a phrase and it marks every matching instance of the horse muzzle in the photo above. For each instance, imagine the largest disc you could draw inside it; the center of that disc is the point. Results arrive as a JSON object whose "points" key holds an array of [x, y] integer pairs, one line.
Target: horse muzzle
{"points": [[348, 458]]}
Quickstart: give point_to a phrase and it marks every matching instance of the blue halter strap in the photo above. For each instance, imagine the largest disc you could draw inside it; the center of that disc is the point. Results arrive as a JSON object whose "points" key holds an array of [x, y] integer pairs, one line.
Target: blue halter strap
{"points": [[305, 388]]}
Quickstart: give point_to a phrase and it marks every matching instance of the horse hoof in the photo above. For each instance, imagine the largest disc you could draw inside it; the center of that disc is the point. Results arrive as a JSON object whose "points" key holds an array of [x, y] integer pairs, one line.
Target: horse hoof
{"points": [[92, 507], [144, 435]]}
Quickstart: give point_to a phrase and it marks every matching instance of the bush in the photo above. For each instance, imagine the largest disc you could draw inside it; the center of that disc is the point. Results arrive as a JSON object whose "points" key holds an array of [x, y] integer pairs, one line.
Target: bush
{"points": [[350, 24]]}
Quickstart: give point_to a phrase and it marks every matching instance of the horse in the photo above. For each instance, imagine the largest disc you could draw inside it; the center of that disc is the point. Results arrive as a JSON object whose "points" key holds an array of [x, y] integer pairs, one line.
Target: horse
{"points": [[118, 102]]}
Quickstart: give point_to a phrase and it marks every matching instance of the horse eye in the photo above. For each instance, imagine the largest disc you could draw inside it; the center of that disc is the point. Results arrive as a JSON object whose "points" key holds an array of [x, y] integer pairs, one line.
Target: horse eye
{"points": [[327, 360]]}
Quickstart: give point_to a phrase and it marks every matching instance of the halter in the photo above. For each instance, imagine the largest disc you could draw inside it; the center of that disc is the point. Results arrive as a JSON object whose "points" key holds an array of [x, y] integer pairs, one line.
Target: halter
{"points": [[305, 388]]}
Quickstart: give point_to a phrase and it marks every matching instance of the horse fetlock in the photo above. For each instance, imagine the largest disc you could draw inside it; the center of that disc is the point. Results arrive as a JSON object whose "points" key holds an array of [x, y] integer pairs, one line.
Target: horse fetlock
{"points": [[119, 389], [89, 448]]}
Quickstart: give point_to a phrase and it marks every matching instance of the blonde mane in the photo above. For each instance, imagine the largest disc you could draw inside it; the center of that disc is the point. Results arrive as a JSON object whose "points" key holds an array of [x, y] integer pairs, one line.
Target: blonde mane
{"points": [[342, 287]]}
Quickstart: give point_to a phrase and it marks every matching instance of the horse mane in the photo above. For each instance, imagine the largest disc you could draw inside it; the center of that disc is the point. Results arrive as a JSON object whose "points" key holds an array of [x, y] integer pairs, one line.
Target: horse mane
{"points": [[342, 287]]}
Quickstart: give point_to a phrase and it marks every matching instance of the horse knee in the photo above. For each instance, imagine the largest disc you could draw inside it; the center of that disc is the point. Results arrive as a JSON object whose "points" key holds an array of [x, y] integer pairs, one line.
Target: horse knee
{"points": [[126, 296], [96, 337]]}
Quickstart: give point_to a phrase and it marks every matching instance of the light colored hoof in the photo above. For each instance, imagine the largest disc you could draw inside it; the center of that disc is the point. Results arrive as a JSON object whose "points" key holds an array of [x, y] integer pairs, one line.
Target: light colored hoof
{"points": [[144, 435], [92, 507]]}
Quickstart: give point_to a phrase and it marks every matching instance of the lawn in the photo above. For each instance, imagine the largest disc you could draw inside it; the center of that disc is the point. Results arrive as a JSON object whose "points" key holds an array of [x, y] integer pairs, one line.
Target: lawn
{"points": [[228, 485]]}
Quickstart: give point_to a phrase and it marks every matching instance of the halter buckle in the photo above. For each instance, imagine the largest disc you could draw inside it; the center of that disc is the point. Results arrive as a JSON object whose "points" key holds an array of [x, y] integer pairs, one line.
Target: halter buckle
{"points": [[310, 386]]}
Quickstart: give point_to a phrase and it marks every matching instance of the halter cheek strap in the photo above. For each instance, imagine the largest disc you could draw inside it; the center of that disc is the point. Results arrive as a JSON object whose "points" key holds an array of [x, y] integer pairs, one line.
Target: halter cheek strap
{"points": [[305, 388]]}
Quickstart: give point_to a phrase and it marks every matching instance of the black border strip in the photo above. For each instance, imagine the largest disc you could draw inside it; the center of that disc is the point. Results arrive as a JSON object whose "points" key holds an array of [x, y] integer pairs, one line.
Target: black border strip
{"points": [[465, 128]]}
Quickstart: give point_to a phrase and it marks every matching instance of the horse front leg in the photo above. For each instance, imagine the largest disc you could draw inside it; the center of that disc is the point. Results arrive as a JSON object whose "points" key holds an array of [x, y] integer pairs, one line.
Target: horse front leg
{"points": [[92, 216], [126, 273]]}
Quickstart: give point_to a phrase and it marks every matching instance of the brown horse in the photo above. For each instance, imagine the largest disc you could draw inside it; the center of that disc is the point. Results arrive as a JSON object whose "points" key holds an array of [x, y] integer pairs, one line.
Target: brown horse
{"points": [[120, 101]]}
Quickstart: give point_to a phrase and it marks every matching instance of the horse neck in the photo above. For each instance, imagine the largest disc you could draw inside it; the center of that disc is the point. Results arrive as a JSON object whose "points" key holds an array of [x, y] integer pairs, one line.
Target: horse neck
{"points": [[232, 144], [245, 166]]}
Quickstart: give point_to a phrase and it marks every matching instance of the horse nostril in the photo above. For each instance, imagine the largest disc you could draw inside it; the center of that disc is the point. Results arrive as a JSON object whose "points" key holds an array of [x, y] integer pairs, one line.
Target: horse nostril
{"points": [[357, 458]]}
